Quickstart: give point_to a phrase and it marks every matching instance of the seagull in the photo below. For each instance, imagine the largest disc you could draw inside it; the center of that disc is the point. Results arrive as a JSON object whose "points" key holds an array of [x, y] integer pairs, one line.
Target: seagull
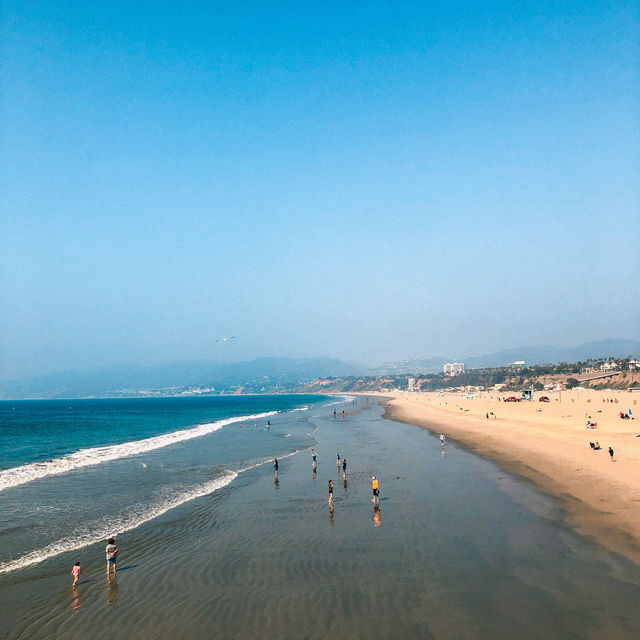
{"points": [[226, 339]]}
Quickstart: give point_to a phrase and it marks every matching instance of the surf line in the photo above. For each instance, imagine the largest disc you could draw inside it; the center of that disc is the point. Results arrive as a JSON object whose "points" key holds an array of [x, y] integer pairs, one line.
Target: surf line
{"points": [[94, 534], [101, 532], [97, 455]]}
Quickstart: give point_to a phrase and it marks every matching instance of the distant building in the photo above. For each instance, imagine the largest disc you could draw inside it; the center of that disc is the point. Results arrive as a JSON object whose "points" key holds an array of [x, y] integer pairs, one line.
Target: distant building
{"points": [[608, 366], [634, 364], [518, 364], [453, 368], [410, 384]]}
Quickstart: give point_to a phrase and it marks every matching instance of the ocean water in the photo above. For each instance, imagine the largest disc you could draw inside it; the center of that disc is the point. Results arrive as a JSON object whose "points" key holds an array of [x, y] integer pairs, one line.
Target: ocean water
{"points": [[74, 472], [213, 545]]}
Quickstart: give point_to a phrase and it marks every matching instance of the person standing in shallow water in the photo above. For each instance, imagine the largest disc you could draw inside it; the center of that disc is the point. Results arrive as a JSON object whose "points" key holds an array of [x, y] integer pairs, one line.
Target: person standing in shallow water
{"points": [[112, 557], [330, 493], [75, 572], [376, 490], [344, 467], [275, 466]]}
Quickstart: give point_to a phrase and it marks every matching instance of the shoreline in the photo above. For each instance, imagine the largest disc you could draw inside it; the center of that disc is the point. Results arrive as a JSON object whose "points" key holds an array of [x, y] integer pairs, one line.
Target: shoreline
{"points": [[549, 448]]}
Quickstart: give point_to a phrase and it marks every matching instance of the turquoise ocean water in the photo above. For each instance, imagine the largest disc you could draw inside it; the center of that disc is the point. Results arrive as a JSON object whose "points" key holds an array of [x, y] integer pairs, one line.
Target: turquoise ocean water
{"points": [[75, 471]]}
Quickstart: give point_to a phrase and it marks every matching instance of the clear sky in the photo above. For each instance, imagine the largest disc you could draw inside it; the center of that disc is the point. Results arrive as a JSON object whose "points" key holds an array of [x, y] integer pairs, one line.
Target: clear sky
{"points": [[363, 180]]}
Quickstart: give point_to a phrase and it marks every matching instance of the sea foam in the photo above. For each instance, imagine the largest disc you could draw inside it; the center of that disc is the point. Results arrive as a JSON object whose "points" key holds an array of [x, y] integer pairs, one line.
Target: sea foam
{"points": [[97, 455], [131, 519], [100, 530]]}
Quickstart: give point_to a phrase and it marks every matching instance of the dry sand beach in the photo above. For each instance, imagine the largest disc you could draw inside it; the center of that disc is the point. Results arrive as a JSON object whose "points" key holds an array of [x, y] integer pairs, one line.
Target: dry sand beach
{"points": [[548, 443]]}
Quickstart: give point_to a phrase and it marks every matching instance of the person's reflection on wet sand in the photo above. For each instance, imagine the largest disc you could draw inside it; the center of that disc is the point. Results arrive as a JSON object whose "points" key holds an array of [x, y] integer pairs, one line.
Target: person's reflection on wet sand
{"points": [[276, 484], [331, 515], [75, 603], [344, 484], [112, 592], [376, 515], [314, 474]]}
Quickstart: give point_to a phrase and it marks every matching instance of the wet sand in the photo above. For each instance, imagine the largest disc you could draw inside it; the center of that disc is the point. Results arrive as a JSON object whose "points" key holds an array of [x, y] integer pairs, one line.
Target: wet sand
{"points": [[458, 549], [548, 444]]}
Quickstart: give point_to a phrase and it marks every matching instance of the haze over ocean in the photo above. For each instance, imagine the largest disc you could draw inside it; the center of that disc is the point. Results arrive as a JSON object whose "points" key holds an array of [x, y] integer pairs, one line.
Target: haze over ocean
{"points": [[368, 182]]}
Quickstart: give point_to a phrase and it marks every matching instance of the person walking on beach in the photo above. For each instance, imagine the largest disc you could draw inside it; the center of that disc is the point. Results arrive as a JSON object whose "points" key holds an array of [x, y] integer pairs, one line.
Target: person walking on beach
{"points": [[344, 467], [75, 572], [275, 466], [338, 459], [314, 458], [442, 440], [330, 493], [112, 557], [611, 453], [376, 490]]}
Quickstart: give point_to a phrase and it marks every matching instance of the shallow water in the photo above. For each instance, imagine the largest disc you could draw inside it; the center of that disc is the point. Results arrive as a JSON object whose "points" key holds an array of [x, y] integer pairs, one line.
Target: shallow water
{"points": [[458, 549]]}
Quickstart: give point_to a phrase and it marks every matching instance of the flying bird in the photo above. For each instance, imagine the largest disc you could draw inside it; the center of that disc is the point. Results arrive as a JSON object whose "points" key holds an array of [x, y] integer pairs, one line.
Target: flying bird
{"points": [[226, 339]]}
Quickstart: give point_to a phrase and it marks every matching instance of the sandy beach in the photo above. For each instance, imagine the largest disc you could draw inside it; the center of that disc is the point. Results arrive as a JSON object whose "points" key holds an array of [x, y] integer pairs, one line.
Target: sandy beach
{"points": [[548, 443]]}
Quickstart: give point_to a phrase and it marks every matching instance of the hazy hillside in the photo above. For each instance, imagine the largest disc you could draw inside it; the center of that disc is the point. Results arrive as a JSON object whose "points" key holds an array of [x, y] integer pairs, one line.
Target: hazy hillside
{"points": [[539, 354], [279, 374], [115, 380]]}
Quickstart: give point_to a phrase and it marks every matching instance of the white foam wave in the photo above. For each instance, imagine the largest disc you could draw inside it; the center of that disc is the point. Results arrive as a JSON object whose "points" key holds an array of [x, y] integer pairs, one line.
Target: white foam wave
{"points": [[97, 455], [97, 531]]}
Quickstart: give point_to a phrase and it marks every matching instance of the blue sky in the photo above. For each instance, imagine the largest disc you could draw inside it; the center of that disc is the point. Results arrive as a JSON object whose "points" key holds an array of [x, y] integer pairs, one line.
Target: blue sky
{"points": [[373, 181]]}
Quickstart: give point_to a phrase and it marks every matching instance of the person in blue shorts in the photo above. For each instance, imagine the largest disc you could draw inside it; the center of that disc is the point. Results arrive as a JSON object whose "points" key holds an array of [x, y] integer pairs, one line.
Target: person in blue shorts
{"points": [[112, 557]]}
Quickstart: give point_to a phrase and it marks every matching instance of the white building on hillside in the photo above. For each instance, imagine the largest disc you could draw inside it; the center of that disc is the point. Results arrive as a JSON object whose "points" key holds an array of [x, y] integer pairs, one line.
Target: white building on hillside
{"points": [[411, 384], [453, 368]]}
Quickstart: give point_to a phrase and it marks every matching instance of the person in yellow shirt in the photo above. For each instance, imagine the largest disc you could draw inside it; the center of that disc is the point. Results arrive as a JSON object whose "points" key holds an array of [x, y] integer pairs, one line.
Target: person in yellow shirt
{"points": [[376, 490]]}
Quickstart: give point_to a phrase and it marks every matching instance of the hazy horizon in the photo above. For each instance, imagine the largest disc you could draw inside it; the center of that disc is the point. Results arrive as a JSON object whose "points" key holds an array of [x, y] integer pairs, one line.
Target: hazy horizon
{"points": [[368, 182]]}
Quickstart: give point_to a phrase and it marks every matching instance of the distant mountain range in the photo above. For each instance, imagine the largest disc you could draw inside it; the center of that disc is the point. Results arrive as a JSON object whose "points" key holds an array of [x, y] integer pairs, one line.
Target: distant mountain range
{"points": [[539, 354], [279, 373], [271, 372]]}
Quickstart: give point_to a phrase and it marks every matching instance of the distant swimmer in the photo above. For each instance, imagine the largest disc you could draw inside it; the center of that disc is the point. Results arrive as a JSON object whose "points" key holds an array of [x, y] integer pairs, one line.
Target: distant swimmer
{"points": [[112, 557], [75, 572], [376, 490], [331, 492]]}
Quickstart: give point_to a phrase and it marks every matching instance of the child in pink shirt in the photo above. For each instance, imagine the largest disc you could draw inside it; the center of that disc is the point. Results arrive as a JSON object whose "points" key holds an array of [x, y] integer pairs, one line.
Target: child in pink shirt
{"points": [[75, 572]]}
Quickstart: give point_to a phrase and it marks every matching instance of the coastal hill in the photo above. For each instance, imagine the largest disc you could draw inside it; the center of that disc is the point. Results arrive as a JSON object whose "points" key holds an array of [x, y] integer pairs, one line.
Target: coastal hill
{"points": [[538, 354], [191, 378], [277, 375]]}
